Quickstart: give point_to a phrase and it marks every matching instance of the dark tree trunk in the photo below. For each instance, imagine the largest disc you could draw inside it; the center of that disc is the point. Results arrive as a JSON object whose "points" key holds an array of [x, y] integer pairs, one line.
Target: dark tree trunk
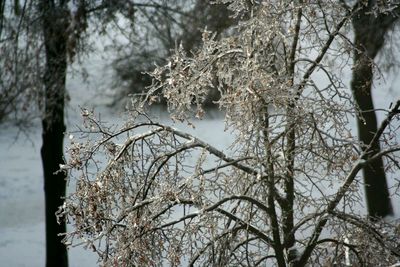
{"points": [[370, 31], [376, 190], [54, 29]]}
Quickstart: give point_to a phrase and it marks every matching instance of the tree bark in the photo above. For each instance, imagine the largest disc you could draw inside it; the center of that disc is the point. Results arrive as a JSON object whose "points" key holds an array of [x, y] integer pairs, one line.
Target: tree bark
{"points": [[54, 29], [370, 31]]}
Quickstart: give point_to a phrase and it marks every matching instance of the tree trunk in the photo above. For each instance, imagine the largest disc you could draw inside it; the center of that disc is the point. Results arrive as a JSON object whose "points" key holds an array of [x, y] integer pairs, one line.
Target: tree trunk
{"points": [[370, 31], [376, 190], [54, 30]]}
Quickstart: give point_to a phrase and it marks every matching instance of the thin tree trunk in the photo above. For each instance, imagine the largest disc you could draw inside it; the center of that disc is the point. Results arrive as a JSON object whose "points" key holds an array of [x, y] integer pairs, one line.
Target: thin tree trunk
{"points": [[370, 32], [54, 30]]}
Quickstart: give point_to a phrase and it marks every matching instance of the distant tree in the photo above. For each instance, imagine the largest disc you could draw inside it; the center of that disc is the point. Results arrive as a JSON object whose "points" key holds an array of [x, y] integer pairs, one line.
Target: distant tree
{"points": [[20, 75], [56, 23], [148, 194], [161, 35], [34, 45], [371, 23]]}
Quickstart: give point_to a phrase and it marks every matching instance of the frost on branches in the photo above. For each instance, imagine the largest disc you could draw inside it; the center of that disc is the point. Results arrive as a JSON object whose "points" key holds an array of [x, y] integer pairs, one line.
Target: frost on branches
{"points": [[285, 193]]}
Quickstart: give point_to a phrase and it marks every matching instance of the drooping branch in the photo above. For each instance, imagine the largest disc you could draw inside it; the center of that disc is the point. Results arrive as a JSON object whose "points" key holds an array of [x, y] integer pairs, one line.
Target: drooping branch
{"points": [[369, 229], [212, 242], [362, 162]]}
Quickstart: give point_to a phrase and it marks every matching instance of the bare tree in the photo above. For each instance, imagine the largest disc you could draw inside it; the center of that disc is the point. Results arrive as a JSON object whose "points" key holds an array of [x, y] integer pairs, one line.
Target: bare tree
{"points": [[20, 73], [371, 23], [34, 38], [158, 32], [285, 194]]}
